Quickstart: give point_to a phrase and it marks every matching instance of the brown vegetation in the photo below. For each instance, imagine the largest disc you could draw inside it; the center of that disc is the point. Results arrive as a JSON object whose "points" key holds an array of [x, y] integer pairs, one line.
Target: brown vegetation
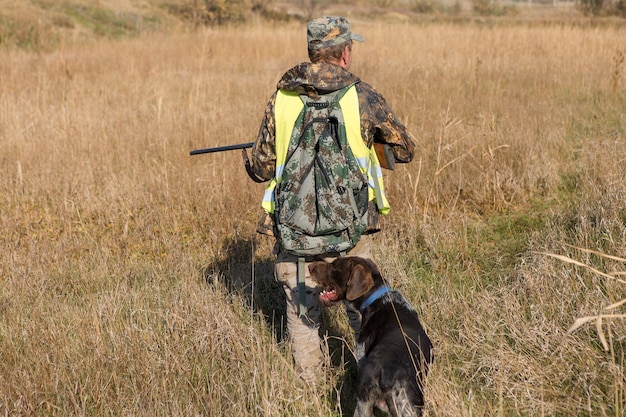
{"points": [[132, 282]]}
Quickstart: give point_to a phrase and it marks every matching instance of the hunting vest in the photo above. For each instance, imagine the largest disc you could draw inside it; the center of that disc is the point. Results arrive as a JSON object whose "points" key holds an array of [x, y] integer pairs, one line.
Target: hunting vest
{"points": [[286, 110]]}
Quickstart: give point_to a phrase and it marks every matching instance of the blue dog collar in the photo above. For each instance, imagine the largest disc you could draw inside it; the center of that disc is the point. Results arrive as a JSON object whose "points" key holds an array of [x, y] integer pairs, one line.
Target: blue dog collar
{"points": [[375, 296]]}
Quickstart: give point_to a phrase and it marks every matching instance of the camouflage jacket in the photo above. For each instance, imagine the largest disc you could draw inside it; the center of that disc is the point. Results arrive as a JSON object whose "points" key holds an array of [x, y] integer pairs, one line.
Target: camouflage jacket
{"points": [[378, 122]]}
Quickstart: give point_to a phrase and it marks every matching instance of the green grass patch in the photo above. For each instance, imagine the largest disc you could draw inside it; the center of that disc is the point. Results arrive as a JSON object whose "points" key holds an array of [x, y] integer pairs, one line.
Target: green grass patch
{"points": [[103, 21]]}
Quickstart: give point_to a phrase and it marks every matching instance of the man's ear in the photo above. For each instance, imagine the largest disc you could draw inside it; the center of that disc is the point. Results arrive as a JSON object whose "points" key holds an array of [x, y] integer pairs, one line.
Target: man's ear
{"points": [[344, 61], [359, 283]]}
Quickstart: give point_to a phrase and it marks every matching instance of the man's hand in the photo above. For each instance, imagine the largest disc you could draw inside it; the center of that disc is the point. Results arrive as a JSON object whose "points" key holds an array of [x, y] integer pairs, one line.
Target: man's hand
{"points": [[385, 156]]}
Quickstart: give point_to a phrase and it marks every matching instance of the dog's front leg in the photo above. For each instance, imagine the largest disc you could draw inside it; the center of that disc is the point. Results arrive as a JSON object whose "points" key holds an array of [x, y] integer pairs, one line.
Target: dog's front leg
{"points": [[364, 408], [359, 352], [368, 396]]}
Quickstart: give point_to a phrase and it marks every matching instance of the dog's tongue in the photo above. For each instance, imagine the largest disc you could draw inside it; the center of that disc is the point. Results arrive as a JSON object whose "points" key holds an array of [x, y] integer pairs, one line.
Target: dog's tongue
{"points": [[328, 295]]}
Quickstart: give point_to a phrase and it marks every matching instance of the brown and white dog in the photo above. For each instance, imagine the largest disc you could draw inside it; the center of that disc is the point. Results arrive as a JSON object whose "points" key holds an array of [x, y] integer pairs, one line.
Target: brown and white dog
{"points": [[396, 350]]}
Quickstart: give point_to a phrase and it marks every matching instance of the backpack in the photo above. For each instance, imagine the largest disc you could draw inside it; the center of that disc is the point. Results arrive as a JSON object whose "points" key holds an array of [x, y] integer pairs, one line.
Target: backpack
{"points": [[322, 198]]}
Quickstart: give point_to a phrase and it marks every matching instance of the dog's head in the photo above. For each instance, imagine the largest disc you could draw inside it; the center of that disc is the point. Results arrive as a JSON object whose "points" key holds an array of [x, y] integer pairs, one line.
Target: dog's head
{"points": [[346, 278]]}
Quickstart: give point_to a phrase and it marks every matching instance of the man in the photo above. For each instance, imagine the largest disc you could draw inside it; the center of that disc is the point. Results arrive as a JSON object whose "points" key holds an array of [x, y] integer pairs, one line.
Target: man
{"points": [[330, 51]]}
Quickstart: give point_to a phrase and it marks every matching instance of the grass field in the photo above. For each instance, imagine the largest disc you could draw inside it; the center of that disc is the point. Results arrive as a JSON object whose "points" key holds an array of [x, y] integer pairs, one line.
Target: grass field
{"points": [[132, 282]]}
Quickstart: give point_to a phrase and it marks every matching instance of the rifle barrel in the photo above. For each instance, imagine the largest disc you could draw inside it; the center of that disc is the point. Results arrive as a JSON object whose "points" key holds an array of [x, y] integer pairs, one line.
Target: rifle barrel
{"points": [[222, 148]]}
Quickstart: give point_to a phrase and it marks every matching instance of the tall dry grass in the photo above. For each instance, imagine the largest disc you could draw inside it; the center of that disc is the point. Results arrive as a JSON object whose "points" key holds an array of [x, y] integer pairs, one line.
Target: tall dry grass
{"points": [[133, 283]]}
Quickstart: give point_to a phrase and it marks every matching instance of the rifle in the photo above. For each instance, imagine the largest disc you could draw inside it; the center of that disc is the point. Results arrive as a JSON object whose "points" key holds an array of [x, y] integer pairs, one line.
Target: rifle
{"points": [[383, 151], [222, 148]]}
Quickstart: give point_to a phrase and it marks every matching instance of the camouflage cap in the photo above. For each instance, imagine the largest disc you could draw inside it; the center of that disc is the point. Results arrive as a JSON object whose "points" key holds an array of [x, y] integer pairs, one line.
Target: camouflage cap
{"points": [[329, 31]]}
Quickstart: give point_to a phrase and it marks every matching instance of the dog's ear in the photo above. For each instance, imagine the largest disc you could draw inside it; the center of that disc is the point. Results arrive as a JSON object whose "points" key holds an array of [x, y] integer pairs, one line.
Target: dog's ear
{"points": [[360, 281]]}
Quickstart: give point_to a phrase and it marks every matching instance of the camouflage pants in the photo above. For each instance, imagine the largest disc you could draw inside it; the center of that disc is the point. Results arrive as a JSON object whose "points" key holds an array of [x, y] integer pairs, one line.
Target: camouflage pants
{"points": [[304, 332]]}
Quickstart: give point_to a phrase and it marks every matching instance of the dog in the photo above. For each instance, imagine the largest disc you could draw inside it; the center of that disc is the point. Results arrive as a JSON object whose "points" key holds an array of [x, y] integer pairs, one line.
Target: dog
{"points": [[396, 352]]}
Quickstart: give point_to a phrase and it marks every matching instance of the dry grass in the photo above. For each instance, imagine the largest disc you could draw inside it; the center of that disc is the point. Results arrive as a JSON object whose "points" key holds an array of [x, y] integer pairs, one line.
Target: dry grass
{"points": [[127, 265]]}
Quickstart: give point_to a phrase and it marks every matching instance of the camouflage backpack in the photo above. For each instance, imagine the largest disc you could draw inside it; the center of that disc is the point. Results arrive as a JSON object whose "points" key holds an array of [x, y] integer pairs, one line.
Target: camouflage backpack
{"points": [[321, 200]]}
